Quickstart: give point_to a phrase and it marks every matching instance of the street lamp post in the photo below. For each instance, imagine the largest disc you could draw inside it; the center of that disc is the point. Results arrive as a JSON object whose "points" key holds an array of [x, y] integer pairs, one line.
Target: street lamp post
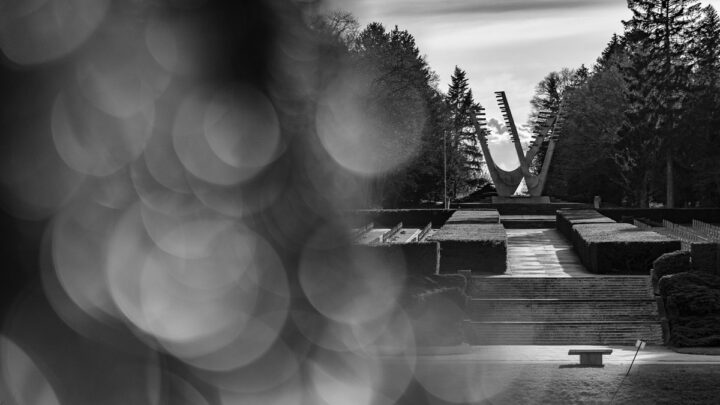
{"points": [[446, 204]]}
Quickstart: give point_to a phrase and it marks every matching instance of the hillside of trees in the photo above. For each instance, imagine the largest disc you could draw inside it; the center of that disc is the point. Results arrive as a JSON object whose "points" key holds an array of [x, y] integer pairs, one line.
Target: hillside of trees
{"points": [[642, 126], [405, 115], [639, 128]]}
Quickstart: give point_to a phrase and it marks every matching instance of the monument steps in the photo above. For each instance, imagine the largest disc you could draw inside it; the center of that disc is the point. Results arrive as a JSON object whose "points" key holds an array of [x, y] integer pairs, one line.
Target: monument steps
{"points": [[557, 333], [528, 221], [538, 310], [562, 310], [524, 209], [590, 288]]}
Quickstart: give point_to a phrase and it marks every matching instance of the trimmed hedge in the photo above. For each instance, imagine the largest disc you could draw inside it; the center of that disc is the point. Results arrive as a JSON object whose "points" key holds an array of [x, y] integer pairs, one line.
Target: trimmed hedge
{"points": [[688, 283], [696, 331], [421, 258], [411, 218], [474, 217], [619, 248], [527, 209], [677, 215], [566, 219], [670, 263], [471, 233], [480, 248], [692, 306], [705, 256]]}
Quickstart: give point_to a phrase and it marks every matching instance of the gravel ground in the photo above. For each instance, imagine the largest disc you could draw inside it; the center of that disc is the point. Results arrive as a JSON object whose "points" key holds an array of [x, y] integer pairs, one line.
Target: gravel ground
{"points": [[484, 383]]}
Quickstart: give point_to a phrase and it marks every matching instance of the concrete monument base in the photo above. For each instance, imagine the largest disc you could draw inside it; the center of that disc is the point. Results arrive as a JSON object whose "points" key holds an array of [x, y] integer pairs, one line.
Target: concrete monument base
{"points": [[521, 200]]}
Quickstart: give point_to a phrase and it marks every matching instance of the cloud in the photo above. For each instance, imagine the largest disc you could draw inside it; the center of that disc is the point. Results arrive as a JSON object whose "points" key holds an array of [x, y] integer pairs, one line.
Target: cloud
{"points": [[464, 7], [499, 127]]}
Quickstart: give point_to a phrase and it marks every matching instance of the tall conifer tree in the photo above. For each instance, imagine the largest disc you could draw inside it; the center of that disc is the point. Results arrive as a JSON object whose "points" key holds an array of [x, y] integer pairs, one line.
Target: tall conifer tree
{"points": [[463, 153], [705, 107], [658, 76]]}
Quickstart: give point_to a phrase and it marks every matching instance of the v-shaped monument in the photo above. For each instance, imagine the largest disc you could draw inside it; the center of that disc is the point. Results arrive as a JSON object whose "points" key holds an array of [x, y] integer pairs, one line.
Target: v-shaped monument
{"points": [[506, 182]]}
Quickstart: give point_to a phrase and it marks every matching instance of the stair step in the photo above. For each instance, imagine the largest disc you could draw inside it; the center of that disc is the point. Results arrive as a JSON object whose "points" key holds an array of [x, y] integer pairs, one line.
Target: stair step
{"points": [[622, 287], [561, 310], [538, 333]]}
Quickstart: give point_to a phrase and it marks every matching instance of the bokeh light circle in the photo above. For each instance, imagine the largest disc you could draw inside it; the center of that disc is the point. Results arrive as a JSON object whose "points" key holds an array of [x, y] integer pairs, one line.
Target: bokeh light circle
{"points": [[350, 284], [39, 31], [359, 139]]}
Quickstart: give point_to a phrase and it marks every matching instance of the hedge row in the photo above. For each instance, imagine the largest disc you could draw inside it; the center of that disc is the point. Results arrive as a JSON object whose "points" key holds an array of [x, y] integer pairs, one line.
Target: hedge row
{"points": [[480, 248], [526, 208], [705, 254], [420, 258], [566, 219], [677, 215], [474, 217], [411, 218], [692, 307], [619, 248], [675, 262]]}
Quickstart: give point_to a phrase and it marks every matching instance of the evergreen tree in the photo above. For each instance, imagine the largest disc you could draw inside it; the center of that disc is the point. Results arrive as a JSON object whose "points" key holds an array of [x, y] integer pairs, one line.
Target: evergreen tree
{"points": [[704, 109], [550, 94], [593, 111], [401, 93], [464, 158], [658, 76], [340, 27], [705, 49], [581, 76], [610, 56]]}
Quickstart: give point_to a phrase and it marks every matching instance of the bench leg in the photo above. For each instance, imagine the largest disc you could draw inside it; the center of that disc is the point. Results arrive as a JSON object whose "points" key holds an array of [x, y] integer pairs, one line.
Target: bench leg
{"points": [[591, 359]]}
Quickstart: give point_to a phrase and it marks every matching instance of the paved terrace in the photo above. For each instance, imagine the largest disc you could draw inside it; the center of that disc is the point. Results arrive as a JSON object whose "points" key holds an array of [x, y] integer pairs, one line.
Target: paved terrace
{"points": [[542, 253], [529, 354]]}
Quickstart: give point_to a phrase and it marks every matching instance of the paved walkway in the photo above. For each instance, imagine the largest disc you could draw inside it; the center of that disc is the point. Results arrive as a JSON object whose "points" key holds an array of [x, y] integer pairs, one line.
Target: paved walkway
{"points": [[559, 354], [542, 253]]}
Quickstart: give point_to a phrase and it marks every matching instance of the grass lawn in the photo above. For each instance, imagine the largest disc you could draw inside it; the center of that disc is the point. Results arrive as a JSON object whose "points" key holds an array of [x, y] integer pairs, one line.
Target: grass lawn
{"points": [[480, 383]]}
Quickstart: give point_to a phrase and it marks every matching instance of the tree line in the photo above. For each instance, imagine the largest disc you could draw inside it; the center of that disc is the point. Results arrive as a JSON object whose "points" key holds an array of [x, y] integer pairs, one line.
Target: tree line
{"points": [[401, 90], [642, 126]]}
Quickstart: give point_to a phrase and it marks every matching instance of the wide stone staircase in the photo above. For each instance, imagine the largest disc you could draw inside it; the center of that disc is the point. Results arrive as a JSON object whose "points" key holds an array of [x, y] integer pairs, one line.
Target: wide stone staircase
{"points": [[562, 310]]}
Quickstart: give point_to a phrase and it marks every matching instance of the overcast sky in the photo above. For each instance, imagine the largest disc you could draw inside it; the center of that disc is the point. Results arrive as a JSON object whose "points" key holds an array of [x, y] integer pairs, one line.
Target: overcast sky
{"points": [[505, 45]]}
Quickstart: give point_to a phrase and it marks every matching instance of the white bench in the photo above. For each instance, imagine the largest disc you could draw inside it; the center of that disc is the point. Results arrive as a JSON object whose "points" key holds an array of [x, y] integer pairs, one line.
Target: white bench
{"points": [[590, 357]]}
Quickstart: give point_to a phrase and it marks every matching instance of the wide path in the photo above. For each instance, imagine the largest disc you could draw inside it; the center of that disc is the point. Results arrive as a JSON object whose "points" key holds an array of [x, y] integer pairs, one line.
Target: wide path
{"points": [[542, 253], [559, 354]]}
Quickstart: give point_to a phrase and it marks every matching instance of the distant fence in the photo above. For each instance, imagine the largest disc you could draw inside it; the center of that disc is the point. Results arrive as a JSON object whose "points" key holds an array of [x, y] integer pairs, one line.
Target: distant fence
{"points": [[711, 231], [676, 215]]}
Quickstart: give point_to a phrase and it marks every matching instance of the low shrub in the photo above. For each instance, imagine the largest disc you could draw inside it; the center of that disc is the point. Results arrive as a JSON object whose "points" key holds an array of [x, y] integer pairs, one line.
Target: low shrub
{"points": [[418, 257], [705, 256], [687, 283], [696, 331], [670, 263], [694, 301], [692, 307]]}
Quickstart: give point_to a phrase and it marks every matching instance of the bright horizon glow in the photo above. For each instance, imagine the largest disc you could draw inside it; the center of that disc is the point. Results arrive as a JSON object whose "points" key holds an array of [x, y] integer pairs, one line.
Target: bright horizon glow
{"points": [[508, 45]]}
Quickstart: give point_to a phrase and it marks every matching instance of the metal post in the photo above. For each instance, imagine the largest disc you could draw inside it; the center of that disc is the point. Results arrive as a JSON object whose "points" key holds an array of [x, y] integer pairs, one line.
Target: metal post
{"points": [[445, 197], [640, 344]]}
